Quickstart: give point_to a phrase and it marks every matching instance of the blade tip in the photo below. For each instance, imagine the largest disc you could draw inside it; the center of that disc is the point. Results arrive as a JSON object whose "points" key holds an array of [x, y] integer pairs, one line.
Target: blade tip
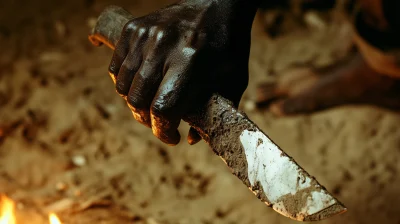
{"points": [[328, 212]]}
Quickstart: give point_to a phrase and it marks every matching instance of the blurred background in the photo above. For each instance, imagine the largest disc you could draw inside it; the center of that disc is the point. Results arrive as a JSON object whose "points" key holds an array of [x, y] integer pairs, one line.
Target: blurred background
{"points": [[69, 145]]}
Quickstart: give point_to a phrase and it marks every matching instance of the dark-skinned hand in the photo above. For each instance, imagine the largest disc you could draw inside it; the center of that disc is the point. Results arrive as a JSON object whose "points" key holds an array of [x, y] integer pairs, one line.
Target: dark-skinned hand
{"points": [[171, 61]]}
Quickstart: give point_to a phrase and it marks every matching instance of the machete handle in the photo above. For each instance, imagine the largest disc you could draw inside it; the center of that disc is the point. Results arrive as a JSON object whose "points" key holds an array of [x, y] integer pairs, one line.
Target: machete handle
{"points": [[231, 134], [109, 26]]}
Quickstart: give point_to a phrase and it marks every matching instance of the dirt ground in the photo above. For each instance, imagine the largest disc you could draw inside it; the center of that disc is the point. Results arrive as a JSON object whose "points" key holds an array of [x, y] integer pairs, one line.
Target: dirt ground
{"points": [[68, 142]]}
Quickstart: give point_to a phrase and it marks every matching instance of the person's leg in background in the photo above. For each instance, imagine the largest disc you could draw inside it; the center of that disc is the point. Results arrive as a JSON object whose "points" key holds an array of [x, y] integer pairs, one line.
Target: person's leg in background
{"points": [[372, 76]]}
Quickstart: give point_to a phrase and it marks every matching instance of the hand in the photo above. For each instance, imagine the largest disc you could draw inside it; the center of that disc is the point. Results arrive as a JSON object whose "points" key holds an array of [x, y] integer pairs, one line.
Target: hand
{"points": [[171, 61]]}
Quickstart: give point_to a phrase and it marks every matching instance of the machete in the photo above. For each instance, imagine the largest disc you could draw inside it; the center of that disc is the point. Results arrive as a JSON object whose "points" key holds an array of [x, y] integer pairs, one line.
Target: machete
{"points": [[273, 176]]}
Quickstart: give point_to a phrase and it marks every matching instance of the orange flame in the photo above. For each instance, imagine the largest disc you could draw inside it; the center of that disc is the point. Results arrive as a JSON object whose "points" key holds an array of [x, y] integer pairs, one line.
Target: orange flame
{"points": [[53, 219], [7, 212], [7, 208]]}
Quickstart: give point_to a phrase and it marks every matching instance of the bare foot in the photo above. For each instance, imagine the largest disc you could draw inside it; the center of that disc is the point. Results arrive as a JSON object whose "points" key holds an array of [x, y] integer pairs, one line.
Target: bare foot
{"points": [[305, 90]]}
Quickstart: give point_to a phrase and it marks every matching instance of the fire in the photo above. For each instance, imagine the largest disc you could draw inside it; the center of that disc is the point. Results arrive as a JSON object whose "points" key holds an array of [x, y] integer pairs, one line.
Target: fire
{"points": [[53, 219], [7, 212]]}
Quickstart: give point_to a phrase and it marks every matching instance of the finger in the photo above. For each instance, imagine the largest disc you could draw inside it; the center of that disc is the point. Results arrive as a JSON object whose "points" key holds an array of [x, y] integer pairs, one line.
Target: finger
{"points": [[147, 80], [143, 89], [132, 62], [127, 72], [121, 50], [193, 136], [169, 105]]}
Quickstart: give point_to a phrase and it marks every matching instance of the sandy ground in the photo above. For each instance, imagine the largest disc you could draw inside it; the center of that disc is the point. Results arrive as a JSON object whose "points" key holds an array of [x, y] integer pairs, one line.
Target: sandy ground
{"points": [[68, 143]]}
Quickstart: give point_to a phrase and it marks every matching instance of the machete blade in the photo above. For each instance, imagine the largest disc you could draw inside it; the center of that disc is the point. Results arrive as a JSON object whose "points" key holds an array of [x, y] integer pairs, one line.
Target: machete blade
{"points": [[273, 176]]}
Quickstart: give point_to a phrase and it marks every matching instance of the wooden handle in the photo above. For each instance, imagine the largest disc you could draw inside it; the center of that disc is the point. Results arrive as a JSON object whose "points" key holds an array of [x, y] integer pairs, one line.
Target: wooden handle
{"points": [[109, 26]]}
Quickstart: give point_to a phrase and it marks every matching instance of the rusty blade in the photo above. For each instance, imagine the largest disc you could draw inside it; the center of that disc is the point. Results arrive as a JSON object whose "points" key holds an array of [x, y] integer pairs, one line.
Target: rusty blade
{"points": [[273, 176], [253, 157], [283, 184]]}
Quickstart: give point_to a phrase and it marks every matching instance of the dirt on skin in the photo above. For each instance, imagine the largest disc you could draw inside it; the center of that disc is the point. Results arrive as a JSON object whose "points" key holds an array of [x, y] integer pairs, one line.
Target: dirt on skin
{"points": [[69, 144]]}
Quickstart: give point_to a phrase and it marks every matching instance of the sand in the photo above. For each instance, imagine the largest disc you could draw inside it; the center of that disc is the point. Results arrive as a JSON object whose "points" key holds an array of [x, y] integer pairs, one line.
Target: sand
{"points": [[69, 144]]}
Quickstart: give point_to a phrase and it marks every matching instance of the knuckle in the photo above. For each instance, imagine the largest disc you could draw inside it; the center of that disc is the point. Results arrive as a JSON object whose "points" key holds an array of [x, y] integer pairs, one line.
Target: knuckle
{"points": [[136, 28], [189, 53], [142, 75], [128, 66], [141, 31], [134, 101], [159, 108], [138, 100], [153, 30], [131, 26], [163, 108], [162, 37], [120, 87], [159, 37]]}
